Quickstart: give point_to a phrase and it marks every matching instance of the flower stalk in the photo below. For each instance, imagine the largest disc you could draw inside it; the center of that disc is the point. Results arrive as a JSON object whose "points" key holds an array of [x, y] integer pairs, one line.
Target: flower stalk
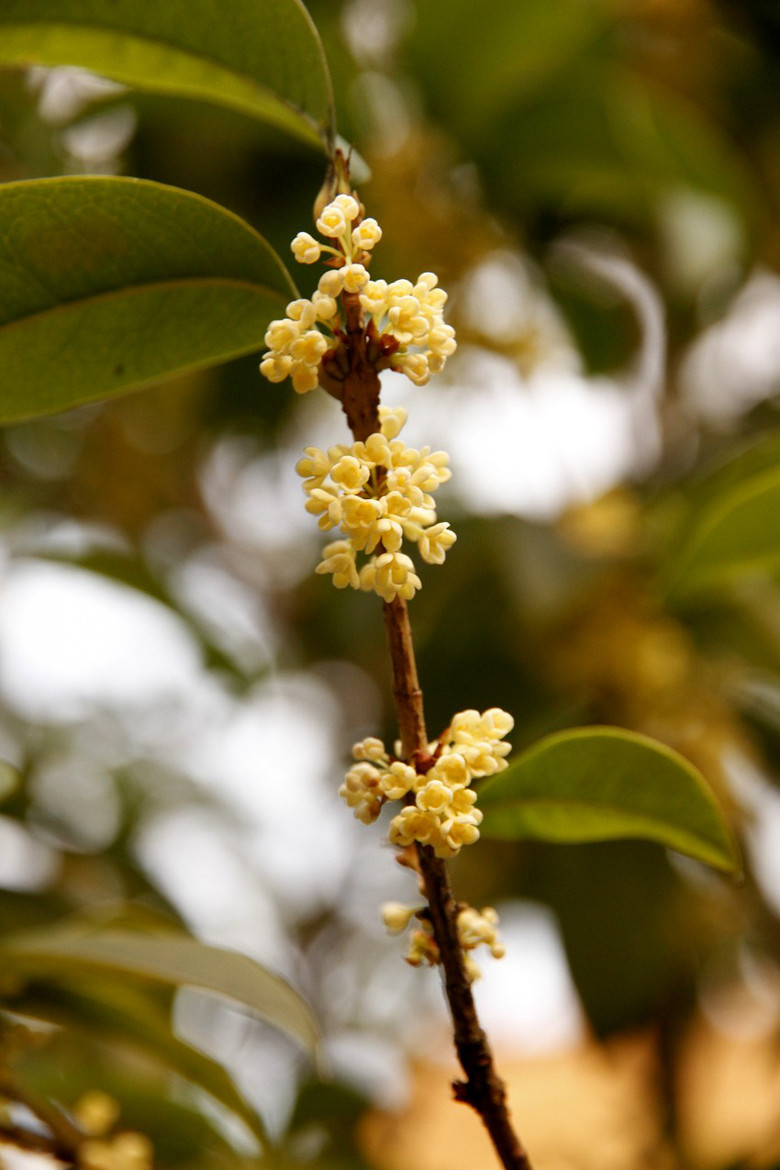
{"points": [[378, 495], [482, 1089]]}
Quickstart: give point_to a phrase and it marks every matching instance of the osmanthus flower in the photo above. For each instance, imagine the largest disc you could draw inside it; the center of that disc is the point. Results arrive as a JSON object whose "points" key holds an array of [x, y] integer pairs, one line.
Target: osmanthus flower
{"points": [[402, 323], [377, 494], [95, 1114], [440, 806], [475, 928]]}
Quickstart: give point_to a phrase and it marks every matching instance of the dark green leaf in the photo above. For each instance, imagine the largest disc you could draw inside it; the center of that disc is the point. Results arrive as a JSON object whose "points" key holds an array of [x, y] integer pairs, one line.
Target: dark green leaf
{"points": [[262, 57], [170, 960], [119, 1014], [108, 284], [599, 783], [737, 533], [64, 1063], [9, 780], [622, 899]]}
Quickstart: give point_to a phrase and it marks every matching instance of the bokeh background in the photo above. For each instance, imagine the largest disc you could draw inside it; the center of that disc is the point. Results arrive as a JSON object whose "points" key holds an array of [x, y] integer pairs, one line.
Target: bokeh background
{"points": [[596, 182]]}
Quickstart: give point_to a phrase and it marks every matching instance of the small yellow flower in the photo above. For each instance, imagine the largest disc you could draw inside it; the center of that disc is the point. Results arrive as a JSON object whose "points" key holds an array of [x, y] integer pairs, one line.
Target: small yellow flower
{"points": [[306, 249], [396, 916], [366, 235]]}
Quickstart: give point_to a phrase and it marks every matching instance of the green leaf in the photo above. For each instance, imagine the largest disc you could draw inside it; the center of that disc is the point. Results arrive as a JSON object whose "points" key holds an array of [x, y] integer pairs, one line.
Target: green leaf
{"points": [[118, 1014], [561, 122], [482, 73], [263, 57], [9, 780], [735, 534], [599, 783], [62, 1064], [110, 284], [70, 954]]}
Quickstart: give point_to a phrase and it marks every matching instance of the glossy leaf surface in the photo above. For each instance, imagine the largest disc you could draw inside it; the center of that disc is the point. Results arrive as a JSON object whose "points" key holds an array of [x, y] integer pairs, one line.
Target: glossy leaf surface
{"points": [[109, 284], [262, 57], [169, 960], [600, 783]]}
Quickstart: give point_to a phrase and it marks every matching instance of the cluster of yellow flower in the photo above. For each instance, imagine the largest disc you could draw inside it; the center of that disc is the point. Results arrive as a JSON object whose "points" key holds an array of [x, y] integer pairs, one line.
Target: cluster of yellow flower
{"points": [[440, 809], [96, 1113], [378, 493], [475, 928], [405, 318]]}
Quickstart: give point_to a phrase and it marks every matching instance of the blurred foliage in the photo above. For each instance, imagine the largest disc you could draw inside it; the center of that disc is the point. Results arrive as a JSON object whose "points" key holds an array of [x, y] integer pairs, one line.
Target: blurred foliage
{"points": [[645, 131]]}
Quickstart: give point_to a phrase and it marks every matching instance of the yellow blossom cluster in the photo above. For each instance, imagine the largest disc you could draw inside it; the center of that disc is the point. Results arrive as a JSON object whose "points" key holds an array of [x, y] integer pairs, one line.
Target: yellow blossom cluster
{"points": [[125, 1151], [96, 1113], [412, 315], [378, 494], [440, 804], [475, 928], [403, 318]]}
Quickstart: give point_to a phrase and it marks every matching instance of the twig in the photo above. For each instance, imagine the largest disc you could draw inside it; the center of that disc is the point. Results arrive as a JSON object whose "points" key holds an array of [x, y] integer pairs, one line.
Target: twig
{"points": [[483, 1089], [63, 1138]]}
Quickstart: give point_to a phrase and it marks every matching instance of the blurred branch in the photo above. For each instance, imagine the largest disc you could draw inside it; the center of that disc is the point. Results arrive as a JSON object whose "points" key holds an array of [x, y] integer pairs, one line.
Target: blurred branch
{"points": [[63, 1138]]}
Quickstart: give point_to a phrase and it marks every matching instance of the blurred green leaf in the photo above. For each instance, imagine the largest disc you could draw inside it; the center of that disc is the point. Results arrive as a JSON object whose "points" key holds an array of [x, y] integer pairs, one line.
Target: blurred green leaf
{"points": [[622, 899], [481, 73], [605, 140], [560, 118], [108, 284], [170, 960], [329, 1113], [735, 534], [119, 1013], [601, 783], [262, 57], [63, 1064], [733, 461], [9, 780]]}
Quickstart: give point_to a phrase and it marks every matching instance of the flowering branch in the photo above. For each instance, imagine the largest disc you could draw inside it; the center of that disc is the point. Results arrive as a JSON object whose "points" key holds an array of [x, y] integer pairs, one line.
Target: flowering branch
{"points": [[483, 1088], [379, 494]]}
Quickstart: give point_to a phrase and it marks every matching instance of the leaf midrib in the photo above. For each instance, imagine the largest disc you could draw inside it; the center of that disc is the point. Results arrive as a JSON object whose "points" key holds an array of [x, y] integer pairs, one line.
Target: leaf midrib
{"points": [[574, 804]]}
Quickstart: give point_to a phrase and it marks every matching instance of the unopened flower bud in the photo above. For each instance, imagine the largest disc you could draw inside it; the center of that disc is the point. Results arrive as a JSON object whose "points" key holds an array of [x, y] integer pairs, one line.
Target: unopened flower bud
{"points": [[396, 916]]}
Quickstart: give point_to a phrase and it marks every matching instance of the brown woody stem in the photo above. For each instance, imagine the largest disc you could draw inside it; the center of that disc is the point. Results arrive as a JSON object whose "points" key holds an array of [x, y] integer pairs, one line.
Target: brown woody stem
{"points": [[62, 1139], [483, 1089]]}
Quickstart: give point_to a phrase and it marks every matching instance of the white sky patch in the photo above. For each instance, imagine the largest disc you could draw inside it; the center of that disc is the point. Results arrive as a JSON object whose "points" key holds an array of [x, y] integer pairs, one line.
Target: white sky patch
{"points": [[527, 1000], [258, 502], [95, 143], [702, 237], [528, 448], [532, 444], [200, 866], [71, 641], [65, 91], [12, 1158], [274, 759], [761, 803], [551, 442], [373, 28], [372, 1065], [504, 299], [736, 362], [227, 608], [81, 796], [25, 864]]}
